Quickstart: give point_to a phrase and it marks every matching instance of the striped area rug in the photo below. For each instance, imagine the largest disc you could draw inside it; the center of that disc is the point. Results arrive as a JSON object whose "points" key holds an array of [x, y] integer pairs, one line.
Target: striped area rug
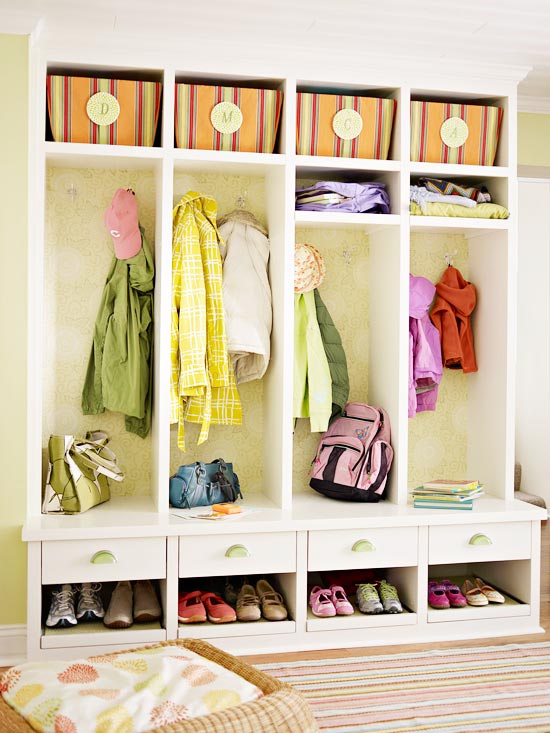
{"points": [[497, 688]]}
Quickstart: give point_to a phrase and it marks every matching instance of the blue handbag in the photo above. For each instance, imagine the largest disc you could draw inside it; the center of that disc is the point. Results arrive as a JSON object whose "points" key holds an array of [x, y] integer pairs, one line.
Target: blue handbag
{"points": [[203, 484]]}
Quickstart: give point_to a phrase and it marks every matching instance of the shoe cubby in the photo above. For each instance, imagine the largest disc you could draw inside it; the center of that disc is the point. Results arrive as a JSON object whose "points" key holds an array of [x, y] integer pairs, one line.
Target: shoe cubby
{"points": [[357, 263], [219, 603], [511, 578], [465, 437], [403, 580], [131, 615]]}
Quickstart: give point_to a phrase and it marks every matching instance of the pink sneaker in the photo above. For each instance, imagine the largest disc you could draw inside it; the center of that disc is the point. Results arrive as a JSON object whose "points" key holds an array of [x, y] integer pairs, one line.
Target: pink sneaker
{"points": [[437, 596], [339, 599], [454, 594], [320, 600]]}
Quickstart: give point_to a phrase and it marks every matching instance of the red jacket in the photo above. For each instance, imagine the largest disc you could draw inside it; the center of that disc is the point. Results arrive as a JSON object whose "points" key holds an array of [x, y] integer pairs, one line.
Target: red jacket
{"points": [[453, 305]]}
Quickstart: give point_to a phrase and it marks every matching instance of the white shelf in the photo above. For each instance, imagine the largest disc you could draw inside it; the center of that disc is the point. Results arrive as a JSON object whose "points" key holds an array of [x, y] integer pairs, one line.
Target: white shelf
{"points": [[86, 155], [359, 620], [339, 220], [96, 634], [232, 162], [261, 627], [320, 163], [444, 170], [457, 224]]}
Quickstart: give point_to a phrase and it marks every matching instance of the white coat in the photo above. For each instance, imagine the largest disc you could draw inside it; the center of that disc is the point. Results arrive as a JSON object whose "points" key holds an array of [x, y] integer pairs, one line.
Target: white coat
{"points": [[246, 298]]}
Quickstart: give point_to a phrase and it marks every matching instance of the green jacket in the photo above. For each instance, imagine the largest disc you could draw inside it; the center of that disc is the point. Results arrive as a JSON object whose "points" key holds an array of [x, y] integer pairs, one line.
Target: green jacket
{"points": [[312, 390], [336, 357], [119, 375]]}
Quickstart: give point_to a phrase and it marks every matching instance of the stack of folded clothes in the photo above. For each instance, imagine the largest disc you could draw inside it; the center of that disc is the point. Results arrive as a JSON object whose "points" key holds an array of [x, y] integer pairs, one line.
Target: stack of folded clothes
{"points": [[347, 197], [436, 197]]}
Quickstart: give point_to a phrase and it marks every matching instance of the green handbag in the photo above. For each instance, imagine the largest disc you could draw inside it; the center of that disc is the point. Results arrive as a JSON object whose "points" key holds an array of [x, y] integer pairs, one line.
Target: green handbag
{"points": [[79, 473]]}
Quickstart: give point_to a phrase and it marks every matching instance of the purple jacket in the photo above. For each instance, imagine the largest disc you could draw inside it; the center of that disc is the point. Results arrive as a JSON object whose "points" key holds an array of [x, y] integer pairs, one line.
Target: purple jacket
{"points": [[425, 364]]}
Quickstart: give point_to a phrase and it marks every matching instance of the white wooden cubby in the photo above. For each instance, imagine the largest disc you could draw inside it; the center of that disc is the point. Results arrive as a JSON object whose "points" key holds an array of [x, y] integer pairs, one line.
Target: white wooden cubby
{"points": [[271, 457]]}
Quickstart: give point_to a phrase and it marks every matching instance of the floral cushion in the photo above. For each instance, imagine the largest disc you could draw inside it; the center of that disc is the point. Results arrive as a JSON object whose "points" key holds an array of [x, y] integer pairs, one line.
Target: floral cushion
{"points": [[129, 692]]}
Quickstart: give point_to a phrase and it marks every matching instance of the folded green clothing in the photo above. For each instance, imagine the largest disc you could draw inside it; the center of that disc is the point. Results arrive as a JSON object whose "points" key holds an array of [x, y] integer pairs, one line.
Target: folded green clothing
{"points": [[481, 211]]}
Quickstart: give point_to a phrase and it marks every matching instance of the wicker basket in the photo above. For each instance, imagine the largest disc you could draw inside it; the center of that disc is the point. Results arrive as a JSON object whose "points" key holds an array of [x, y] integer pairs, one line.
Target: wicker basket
{"points": [[281, 710]]}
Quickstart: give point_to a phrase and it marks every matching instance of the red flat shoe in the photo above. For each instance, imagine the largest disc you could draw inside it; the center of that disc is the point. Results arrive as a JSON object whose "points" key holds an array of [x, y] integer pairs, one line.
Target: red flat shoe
{"points": [[217, 610], [191, 609]]}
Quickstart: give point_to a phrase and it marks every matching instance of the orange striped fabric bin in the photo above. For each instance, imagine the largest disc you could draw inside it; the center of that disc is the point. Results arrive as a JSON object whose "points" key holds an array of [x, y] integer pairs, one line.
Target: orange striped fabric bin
{"points": [[318, 134], [135, 120], [227, 118], [470, 134]]}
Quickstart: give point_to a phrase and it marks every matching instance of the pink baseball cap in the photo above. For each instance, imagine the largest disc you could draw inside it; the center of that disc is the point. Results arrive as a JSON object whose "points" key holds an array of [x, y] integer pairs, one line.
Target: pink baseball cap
{"points": [[121, 219]]}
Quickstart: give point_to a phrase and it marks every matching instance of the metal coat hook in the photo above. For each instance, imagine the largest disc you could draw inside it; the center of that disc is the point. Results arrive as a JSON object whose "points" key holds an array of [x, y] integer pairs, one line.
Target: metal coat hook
{"points": [[72, 192], [241, 200], [346, 254], [449, 257]]}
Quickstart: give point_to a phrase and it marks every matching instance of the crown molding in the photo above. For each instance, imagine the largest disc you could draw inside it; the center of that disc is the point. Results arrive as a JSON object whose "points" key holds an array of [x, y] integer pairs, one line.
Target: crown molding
{"points": [[534, 105], [19, 22]]}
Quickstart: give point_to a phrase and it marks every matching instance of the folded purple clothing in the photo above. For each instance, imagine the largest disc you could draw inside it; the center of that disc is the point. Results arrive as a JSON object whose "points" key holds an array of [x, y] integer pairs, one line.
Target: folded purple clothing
{"points": [[353, 198]]}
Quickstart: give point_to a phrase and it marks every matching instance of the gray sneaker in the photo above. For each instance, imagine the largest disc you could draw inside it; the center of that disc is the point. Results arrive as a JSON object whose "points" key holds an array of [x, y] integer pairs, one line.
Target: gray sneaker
{"points": [[119, 613], [61, 613], [390, 599], [368, 599], [90, 605]]}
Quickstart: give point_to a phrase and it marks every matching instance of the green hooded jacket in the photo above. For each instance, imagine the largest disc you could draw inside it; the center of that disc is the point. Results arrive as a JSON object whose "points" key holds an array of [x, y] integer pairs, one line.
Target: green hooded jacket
{"points": [[336, 357], [119, 375]]}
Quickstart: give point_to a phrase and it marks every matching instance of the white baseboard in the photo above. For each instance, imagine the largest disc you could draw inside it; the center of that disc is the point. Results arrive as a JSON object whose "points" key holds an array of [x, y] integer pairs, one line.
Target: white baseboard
{"points": [[13, 644]]}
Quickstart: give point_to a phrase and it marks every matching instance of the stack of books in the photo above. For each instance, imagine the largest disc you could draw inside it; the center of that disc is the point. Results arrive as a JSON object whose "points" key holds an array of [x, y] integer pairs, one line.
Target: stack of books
{"points": [[445, 494]]}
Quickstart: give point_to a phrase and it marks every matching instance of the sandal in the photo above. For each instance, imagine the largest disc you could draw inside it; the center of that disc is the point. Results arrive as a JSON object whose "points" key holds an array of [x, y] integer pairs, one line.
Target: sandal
{"points": [[493, 596], [340, 600], [473, 595], [190, 608], [320, 600]]}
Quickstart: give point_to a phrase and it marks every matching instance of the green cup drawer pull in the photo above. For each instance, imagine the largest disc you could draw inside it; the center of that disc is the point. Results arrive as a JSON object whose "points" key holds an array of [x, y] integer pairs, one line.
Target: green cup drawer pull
{"points": [[480, 539], [237, 551], [103, 557], [363, 546]]}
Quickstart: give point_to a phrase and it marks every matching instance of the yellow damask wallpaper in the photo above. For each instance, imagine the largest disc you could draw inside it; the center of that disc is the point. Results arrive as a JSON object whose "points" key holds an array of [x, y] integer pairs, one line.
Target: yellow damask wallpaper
{"points": [[77, 258], [346, 256], [437, 440], [242, 445]]}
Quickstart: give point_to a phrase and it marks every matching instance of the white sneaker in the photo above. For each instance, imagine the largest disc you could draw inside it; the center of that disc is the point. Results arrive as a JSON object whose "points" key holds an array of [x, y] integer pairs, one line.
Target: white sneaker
{"points": [[146, 605], [90, 605], [61, 612], [119, 613]]}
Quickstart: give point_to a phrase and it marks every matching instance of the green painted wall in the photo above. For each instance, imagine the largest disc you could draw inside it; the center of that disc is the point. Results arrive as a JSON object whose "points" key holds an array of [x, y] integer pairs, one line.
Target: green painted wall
{"points": [[533, 149], [13, 310], [533, 139]]}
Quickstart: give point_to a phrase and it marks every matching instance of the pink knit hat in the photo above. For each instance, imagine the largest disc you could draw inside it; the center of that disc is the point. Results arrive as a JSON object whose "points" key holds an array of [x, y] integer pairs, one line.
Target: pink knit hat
{"points": [[121, 219]]}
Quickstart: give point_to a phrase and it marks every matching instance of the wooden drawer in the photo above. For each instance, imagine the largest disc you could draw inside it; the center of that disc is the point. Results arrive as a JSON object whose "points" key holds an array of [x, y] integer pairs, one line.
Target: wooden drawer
{"points": [[363, 548], [479, 542], [76, 561], [237, 554]]}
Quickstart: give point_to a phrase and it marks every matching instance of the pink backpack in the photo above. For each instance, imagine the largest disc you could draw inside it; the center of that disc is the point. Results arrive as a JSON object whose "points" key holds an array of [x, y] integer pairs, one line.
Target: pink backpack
{"points": [[354, 455]]}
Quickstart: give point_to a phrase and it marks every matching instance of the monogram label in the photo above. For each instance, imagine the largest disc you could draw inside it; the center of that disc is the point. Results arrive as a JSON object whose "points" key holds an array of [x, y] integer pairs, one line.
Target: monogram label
{"points": [[347, 124], [102, 108], [454, 132], [226, 117]]}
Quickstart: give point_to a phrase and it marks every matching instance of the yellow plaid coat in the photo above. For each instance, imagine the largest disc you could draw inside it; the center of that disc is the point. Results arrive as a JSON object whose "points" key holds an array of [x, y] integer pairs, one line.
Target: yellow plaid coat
{"points": [[202, 384]]}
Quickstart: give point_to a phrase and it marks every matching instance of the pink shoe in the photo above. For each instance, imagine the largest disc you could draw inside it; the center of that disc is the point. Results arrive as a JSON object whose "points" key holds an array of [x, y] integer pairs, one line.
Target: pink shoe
{"points": [[339, 599], [320, 600], [190, 608], [217, 610], [437, 596], [454, 594]]}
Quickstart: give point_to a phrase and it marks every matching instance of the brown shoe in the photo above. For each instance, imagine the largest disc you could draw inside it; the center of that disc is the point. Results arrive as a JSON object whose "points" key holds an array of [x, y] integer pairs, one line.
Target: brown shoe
{"points": [[273, 605], [248, 604]]}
